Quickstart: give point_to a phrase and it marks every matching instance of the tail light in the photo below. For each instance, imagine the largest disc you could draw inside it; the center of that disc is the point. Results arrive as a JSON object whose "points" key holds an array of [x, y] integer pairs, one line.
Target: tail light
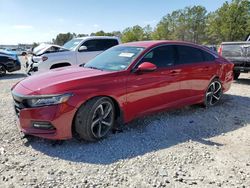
{"points": [[44, 58], [220, 50]]}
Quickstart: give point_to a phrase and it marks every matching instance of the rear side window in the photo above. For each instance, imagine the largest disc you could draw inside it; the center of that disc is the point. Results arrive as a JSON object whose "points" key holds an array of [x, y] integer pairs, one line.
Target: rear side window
{"points": [[108, 43], [163, 56], [100, 44], [187, 55], [207, 56]]}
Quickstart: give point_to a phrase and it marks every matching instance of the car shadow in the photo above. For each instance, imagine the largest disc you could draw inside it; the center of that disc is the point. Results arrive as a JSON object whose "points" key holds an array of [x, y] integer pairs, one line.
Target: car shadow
{"points": [[156, 132], [13, 76]]}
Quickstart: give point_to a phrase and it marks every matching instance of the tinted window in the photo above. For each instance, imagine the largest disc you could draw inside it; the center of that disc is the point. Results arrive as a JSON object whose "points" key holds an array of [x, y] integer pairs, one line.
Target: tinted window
{"points": [[207, 56], [162, 56], [108, 43], [187, 54], [100, 44]]}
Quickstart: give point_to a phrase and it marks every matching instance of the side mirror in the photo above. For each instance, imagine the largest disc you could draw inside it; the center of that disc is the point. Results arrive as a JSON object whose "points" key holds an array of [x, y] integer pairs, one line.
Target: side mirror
{"points": [[146, 67], [82, 48]]}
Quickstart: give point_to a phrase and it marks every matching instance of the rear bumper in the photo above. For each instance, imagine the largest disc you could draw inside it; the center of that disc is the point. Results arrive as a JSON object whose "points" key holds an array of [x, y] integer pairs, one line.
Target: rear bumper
{"points": [[241, 69]]}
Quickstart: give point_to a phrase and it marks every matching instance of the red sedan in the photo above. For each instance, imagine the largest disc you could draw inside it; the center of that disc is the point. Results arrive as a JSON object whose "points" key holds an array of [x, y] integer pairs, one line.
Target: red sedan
{"points": [[121, 84]]}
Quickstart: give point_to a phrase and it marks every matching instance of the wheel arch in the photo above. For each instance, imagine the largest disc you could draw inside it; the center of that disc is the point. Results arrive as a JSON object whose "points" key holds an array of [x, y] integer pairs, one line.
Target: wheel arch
{"points": [[61, 64], [119, 117], [4, 66]]}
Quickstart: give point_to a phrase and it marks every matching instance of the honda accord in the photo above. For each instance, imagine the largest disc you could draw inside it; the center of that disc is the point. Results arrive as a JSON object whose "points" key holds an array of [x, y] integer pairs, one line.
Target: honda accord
{"points": [[119, 85]]}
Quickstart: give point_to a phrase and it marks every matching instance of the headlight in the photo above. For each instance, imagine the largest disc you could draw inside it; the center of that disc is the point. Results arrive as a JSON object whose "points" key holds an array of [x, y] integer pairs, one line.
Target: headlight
{"points": [[47, 100]]}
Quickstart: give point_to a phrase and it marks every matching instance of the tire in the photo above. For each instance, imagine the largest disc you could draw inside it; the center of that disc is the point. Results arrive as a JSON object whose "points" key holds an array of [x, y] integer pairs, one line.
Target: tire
{"points": [[90, 118], [214, 93], [2, 70], [236, 75]]}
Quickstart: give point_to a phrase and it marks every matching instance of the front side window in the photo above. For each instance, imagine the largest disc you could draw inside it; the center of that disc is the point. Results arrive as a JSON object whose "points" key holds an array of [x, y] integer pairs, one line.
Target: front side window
{"points": [[188, 55], [163, 56], [92, 45], [99, 44], [115, 59]]}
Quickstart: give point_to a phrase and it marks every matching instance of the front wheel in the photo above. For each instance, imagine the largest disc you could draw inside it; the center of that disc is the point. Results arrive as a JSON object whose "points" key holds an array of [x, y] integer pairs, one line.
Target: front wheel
{"points": [[2, 70], [95, 119], [213, 93]]}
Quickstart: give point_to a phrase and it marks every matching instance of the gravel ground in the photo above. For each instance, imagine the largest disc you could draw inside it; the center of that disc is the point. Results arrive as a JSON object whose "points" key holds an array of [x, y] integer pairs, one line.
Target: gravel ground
{"points": [[187, 147]]}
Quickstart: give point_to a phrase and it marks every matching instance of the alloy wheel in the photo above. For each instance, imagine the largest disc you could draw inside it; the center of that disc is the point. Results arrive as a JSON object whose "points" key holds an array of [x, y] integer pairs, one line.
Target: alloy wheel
{"points": [[102, 119], [214, 93]]}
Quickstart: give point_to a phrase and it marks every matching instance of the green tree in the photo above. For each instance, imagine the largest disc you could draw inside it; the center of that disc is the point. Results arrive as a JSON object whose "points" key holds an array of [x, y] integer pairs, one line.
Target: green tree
{"points": [[147, 32], [62, 38], [230, 22], [82, 35], [185, 24], [102, 33], [35, 44], [135, 33]]}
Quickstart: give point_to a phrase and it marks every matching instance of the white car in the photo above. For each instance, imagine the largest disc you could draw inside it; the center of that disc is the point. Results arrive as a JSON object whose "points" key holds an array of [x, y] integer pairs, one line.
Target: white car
{"points": [[75, 52]]}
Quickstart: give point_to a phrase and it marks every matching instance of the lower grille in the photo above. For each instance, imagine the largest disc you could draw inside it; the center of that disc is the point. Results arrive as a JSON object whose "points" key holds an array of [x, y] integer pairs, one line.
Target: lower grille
{"points": [[18, 104], [18, 107]]}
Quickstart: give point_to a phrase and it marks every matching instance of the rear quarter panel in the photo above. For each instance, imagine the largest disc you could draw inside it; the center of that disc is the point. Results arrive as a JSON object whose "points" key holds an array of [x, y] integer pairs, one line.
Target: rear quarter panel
{"points": [[225, 73]]}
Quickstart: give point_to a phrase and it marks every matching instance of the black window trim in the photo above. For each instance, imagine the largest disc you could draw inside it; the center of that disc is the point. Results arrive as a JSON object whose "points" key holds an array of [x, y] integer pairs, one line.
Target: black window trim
{"points": [[201, 53], [162, 45], [97, 39], [176, 53]]}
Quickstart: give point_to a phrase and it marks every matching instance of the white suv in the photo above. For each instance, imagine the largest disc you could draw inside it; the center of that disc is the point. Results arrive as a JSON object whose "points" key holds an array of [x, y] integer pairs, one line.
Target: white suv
{"points": [[75, 52]]}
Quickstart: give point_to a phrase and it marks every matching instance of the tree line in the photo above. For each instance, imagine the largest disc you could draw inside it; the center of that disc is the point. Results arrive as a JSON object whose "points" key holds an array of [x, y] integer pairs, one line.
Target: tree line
{"points": [[230, 22]]}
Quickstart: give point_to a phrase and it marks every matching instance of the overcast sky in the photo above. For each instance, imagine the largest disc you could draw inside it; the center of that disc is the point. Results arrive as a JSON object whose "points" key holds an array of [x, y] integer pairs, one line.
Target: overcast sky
{"points": [[28, 21]]}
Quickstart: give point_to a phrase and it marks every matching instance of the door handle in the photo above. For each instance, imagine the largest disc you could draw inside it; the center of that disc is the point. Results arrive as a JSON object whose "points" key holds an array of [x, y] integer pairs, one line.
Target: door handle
{"points": [[175, 71]]}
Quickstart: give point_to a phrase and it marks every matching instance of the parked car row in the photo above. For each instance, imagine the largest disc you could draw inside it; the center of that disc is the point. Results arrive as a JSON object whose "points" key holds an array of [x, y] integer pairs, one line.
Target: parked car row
{"points": [[122, 83]]}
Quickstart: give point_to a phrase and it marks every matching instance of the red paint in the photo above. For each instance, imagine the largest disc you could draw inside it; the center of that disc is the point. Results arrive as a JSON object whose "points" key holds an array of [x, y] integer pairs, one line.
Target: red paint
{"points": [[137, 93]]}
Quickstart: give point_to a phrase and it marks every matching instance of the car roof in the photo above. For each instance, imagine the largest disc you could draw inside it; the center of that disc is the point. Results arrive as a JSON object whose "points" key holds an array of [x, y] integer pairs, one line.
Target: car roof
{"points": [[148, 44], [97, 37]]}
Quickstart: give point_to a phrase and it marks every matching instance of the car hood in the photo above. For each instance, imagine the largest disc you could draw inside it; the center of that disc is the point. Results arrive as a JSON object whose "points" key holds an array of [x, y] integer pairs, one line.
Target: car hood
{"points": [[43, 48], [61, 80]]}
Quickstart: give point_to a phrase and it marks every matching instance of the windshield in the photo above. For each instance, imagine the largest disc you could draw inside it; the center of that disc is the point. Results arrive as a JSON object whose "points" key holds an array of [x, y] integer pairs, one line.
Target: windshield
{"points": [[115, 59], [72, 44]]}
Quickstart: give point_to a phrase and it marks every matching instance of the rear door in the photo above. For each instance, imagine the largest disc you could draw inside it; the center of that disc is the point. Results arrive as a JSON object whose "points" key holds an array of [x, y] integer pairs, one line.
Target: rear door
{"points": [[152, 91], [197, 68], [94, 47]]}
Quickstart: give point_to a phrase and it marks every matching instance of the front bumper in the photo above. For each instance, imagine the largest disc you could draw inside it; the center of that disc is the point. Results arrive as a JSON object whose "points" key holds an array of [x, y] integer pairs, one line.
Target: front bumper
{"points": [[31, 66], [59, 116]]}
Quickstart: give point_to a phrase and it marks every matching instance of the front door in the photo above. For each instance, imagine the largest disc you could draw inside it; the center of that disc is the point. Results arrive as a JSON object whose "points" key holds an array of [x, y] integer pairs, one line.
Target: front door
{"points": [[152, 91]]}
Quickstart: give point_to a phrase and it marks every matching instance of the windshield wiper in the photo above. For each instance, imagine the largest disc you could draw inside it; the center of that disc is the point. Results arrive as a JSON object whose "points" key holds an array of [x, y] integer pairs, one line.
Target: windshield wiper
{"points": [[91, 67]]}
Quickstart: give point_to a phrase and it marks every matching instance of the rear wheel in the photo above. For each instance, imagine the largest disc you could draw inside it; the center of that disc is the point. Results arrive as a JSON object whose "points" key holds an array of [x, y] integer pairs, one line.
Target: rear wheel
{"points": [[95, 119], [213, 93], [236, 75], [2, 70]]}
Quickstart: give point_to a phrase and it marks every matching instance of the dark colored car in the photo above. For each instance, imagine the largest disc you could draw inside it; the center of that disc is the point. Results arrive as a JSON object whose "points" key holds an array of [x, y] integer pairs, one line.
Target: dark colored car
{"points": [[121, 84], [8, 62], [239, 54]]}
